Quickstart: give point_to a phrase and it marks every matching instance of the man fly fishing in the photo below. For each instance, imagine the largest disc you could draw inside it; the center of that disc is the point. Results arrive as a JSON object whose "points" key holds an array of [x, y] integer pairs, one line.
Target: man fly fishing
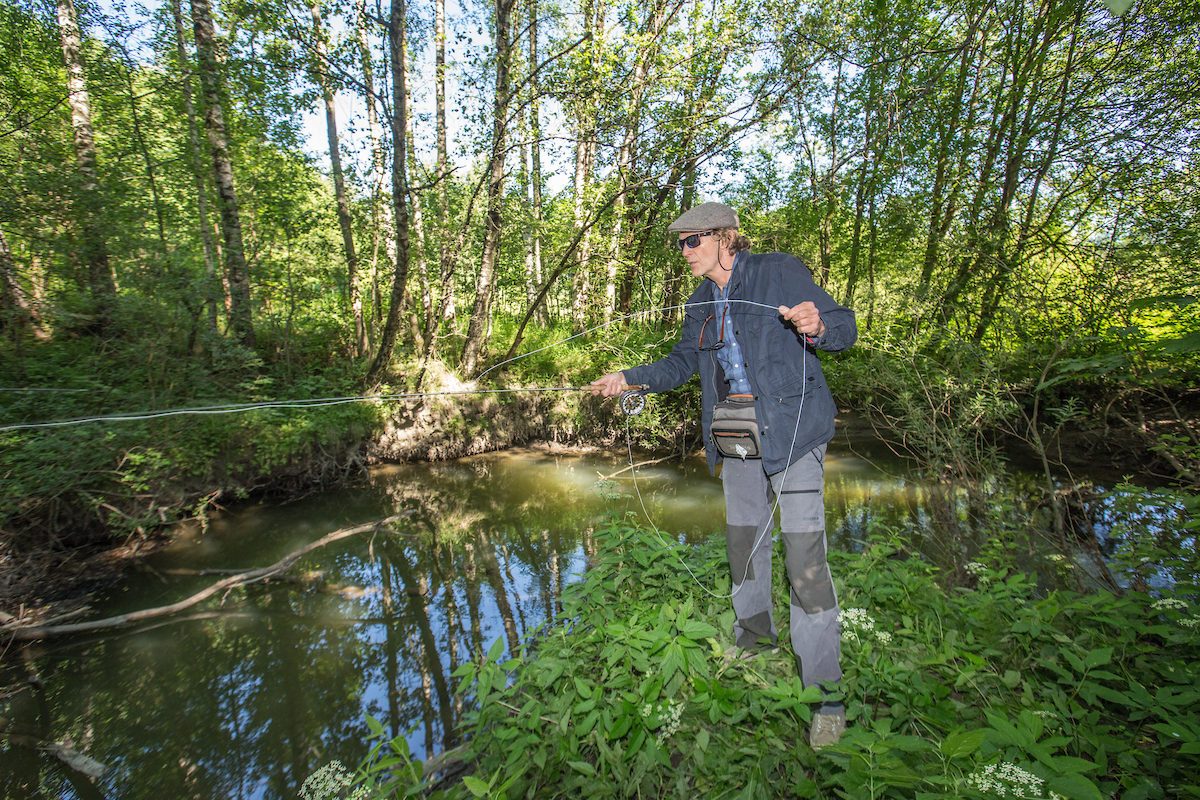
{"points": [[751, 330]]}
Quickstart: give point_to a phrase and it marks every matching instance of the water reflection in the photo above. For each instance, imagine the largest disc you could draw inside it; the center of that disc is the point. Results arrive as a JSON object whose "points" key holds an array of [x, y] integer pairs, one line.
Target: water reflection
{"points": [[246, 697]]}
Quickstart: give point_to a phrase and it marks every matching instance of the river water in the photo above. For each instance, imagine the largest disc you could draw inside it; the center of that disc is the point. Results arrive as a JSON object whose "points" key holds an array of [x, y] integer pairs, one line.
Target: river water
{"points": [[247, 694]]}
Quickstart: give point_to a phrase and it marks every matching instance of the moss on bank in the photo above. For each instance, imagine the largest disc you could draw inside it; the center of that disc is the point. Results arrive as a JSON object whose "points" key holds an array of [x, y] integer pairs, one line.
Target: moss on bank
{"points": [[989, 689]]}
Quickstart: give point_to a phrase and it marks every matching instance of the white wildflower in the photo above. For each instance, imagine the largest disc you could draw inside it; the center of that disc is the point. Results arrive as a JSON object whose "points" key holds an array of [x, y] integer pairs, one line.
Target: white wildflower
{"points": [[1057, 558], [1006, 780], [327, 782], [671, 714], [1191, 623], [857, 625], [975, 568], [1169, 603]]}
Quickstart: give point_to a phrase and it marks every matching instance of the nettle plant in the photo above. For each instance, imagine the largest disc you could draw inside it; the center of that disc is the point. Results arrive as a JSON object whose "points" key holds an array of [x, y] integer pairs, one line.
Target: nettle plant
{"points": [[991, 689]]}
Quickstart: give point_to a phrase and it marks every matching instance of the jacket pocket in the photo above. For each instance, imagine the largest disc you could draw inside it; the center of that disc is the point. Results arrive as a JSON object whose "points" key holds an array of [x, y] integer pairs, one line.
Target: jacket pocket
{"points": [[792, 385]]}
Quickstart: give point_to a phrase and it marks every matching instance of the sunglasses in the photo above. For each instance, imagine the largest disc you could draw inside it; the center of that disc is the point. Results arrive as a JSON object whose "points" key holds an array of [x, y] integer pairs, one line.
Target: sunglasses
{"points": [[720, 342], [693, 241]]}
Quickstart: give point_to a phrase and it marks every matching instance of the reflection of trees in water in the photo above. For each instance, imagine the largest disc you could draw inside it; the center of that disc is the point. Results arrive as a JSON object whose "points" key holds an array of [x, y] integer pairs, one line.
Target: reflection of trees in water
{"points": [[206, 709], [505, 588], [478, 565], [950, 523]]}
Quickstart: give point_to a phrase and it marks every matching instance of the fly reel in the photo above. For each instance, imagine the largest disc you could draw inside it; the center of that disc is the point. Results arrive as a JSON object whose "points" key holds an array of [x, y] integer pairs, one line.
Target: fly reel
{"points": [[632, 402]]}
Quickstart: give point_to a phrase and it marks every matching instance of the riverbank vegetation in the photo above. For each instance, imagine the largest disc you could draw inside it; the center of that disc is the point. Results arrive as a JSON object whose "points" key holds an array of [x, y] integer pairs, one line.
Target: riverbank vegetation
{"points": [[970, 684], [1006, 195]]}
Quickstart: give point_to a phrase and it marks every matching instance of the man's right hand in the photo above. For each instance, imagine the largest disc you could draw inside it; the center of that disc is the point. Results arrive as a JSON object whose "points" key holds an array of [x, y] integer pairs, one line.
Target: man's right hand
{"points": [[609, 385]]}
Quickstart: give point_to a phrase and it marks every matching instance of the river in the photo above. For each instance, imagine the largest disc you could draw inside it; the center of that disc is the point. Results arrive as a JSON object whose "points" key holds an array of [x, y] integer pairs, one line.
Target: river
{"points": [[247, 694]]}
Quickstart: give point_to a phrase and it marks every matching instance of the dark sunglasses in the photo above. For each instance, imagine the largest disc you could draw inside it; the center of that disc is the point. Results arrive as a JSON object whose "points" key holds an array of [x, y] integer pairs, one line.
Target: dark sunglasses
{"points": [[693, 241]]}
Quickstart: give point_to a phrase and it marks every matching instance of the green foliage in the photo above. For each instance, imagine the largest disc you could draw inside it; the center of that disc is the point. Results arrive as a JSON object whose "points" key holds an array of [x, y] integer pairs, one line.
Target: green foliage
{"points": [[941, 410], [102, 479], [991, 689]]}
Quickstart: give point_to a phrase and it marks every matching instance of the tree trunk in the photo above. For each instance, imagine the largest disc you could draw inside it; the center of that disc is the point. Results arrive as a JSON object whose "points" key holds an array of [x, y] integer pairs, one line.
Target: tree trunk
{"points": [[582, 285], [494, 222], [447, 257], [1012, 260], [93, 246], [144, 151], [417, 261], [380, 213], [585, 161], [196, 163], [941, 209], [621, 267], [673, 283], [19, 313], [396, 48], [535, 154], [860, 196], [825, 229], [241, 321], [339, 183]]}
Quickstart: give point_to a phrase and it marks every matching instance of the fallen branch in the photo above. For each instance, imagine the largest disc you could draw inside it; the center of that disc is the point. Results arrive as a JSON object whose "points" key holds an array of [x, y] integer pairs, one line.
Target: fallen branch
{"points": [[248, 576], [76, 760], [639, 465]]}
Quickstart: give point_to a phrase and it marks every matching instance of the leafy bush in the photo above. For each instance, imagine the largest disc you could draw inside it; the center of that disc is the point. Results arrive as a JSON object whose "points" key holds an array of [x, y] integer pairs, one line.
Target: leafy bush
{"points": [[988, 689]]}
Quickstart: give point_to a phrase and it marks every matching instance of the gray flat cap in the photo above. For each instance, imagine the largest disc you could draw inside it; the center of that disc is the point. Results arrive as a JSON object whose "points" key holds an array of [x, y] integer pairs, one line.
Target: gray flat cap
{"points": [[705, 217]]}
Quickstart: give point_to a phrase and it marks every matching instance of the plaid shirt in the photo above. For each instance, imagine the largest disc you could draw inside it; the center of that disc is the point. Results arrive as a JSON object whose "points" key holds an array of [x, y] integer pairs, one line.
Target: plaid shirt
{"points": [[730, 356]]}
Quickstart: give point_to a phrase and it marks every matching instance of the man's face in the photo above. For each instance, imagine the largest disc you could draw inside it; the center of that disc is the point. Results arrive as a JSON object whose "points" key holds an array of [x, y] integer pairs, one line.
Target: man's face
{"points": [[707, 258]]}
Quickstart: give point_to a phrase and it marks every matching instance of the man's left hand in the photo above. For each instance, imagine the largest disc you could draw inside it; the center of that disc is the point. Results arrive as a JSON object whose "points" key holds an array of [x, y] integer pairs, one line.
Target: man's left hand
{"points": [[805, 318]]}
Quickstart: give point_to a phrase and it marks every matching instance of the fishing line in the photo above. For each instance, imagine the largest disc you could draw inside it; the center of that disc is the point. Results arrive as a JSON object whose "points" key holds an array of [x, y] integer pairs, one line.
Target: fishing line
{"points": [[319, 402], [622, 318], [630, 402], [770, 522]]}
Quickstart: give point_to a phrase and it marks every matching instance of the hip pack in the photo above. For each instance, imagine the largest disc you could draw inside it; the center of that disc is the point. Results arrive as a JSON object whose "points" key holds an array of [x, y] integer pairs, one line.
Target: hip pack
{"points": [[735, 428]]}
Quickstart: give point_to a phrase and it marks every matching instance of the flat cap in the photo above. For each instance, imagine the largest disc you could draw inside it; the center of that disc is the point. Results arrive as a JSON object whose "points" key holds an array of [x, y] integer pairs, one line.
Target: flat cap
{"points": [[705, 217]]}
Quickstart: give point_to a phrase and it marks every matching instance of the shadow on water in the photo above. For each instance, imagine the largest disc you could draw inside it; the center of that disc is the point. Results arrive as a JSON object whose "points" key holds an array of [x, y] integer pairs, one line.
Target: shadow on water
{"points": [[245, 697]]}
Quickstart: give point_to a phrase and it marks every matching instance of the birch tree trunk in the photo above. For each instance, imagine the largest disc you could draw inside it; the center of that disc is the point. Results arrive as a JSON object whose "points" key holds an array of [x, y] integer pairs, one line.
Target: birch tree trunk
{"points": [[494, 221], [93, 246], [196, 163], [339, 182], [396, 49], [241, 322]]}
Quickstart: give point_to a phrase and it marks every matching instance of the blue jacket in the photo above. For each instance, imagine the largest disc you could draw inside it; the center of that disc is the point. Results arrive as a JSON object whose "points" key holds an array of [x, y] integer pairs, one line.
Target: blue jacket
{"points": [[792, 400]]}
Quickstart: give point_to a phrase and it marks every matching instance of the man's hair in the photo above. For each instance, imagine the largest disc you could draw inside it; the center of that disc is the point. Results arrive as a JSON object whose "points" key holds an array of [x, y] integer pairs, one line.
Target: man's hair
{"points": [[732, 239]]}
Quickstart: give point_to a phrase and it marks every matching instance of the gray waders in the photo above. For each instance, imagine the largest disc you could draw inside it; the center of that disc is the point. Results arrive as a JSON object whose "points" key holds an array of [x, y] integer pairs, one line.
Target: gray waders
{"points": [[815, 633]]}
